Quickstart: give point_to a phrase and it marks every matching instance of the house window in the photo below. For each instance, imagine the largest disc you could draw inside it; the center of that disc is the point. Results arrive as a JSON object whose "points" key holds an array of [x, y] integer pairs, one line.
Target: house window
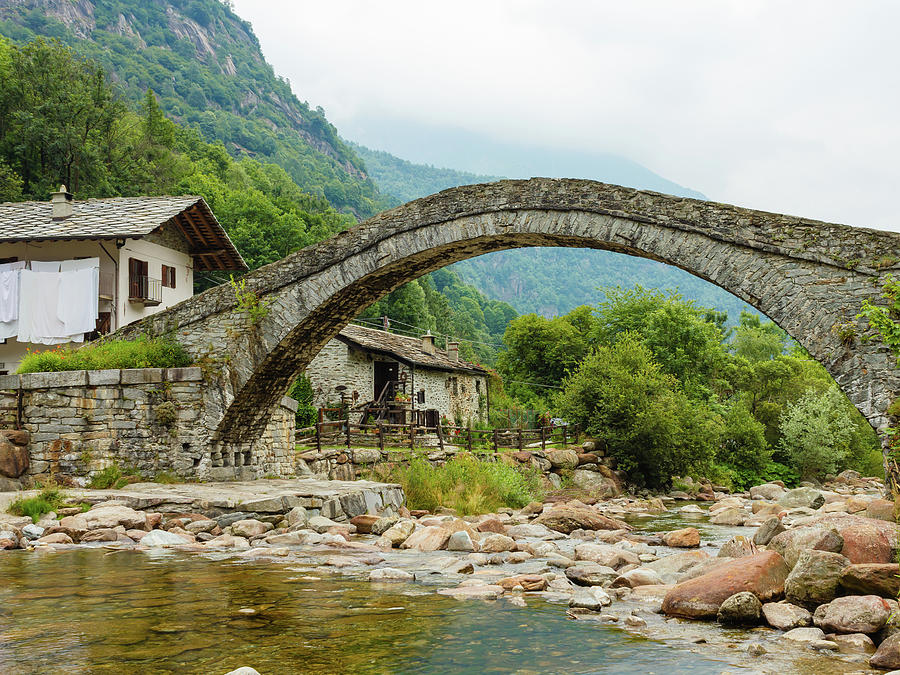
{"points": [[138, 279], [420, 396], [168, 276]]}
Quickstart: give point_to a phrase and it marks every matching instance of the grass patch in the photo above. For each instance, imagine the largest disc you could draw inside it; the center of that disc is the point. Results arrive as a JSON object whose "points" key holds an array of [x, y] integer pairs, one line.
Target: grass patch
{"points": [[143, 352], [466, 484], [48, 500], [167, 478], [114, 477]]}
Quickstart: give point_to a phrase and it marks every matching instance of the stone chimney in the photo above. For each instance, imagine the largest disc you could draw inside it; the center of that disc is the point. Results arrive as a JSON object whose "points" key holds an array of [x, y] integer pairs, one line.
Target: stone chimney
{"points": [[428, 343], [453, 351], [62, 203]]}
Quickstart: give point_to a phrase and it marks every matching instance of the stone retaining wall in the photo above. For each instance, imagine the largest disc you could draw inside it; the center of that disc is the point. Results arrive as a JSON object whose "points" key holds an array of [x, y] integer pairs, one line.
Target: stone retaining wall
{"points": [[151, 420]]}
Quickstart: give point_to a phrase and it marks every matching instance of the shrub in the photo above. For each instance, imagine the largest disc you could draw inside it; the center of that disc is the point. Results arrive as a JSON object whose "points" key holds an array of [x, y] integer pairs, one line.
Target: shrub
{"points": [[302, 392], [48, 500], [113, 477], [621, 394], [744, 450], [816, 437], [143, 352], [466, 484]]}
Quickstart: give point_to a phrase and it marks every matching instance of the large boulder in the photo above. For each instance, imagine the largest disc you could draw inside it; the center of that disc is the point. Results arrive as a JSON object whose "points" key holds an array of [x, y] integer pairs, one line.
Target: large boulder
{"points": [[249, 528], [639, 576], [563, 459], [791, 543], [785, 616], [853, 614], [729, 516], [112, 515], [570, 518], [163, 539], [762, 574], [496, 543], [688, 537], [814, 579], [672, 567], [881, 509], [432, 538], [887, 656], [740, 609], [872, 579], [770, 491], [591, 574], [770, 528], [805, 497], [866, 540], [13, 459], [606, 555], [596, 483]]}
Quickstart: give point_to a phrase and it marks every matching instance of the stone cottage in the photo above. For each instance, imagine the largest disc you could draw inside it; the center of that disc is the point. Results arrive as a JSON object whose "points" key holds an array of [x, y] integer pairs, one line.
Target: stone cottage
{"points": [[144, 252], [364, 365]]}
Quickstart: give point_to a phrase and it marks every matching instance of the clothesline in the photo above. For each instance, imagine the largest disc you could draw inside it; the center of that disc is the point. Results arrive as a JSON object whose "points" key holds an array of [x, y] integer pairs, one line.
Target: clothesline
{"points": [[52, 303]]}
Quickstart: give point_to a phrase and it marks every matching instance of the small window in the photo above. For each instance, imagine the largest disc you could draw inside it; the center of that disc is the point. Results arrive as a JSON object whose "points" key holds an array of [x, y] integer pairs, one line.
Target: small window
{"points": [[168, 276], [420, 396]]}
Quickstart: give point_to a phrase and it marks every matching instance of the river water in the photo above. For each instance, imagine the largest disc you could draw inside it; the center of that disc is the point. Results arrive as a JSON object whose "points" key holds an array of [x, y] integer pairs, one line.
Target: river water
{"points": [[107, 611]]}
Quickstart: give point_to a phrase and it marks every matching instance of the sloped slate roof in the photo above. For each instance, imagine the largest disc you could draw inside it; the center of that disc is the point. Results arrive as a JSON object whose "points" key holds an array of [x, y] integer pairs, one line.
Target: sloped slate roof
{"points": [[125, 217], [403, 348]]}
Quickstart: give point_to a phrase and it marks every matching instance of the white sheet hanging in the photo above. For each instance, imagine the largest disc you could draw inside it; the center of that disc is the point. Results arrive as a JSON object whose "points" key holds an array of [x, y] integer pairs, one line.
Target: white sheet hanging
{"points": [[9, 298], [92, 300], [44, 266], [77, 301]]}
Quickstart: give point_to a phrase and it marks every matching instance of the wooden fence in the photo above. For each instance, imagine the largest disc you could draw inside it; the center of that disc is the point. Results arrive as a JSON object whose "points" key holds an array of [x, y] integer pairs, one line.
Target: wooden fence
{"points": [[382, 435]]}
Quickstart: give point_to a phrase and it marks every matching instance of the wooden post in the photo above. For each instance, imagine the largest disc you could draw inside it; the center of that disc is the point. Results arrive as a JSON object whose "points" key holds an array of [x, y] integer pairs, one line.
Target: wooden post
{"points": [[440, 435], [380, 437], [469, 442], [520, 439], [348, 432], [577, 431], [543, 438], [318, 437], [496, 442], [565, 436], [412, 436]]}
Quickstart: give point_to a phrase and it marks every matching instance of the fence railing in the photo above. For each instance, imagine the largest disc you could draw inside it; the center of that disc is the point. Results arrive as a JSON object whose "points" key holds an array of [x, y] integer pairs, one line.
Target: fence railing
{"points": [[383, 435]]}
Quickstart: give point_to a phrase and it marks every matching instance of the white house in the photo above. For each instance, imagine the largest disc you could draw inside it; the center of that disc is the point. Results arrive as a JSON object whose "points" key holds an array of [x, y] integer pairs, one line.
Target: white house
{"points": [[363, 365], [144, 252]]}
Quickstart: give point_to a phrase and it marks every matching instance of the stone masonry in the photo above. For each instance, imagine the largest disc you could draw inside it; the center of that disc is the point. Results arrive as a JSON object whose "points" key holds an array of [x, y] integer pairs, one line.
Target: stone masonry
{"points": [[79, 422], [808, 276]]}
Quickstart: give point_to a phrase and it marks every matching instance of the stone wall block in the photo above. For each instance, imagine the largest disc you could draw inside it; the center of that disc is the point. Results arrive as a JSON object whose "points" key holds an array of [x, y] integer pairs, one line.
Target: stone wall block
{"points": [[142, 375], [192, 374], [98, 378]]}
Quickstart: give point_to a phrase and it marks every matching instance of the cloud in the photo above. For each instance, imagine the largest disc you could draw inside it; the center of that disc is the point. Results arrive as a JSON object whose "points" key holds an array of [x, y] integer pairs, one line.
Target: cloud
{"points": [[787, 107]]}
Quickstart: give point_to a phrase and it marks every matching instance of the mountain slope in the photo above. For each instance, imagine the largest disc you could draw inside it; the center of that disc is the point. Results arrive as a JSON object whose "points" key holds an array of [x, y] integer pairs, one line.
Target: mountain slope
{"points": [[207, 69]]}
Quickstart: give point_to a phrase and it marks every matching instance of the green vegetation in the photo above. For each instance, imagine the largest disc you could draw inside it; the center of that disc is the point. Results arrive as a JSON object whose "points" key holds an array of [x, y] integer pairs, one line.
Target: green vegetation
{"points": [[658, 379], [113, 476], [883, 319], [466, 485], [48, 500], [140, 353], [302, 392]]}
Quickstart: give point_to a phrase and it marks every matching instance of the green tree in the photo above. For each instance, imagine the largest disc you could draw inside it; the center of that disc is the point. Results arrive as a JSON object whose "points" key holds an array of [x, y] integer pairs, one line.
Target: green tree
{"points": [[744, 449], [815, 435]]}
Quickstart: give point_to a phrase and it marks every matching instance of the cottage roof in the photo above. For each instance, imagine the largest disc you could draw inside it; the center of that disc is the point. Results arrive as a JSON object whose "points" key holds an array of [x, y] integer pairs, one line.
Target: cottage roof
{"points": [[403, 348], [125, 217]]}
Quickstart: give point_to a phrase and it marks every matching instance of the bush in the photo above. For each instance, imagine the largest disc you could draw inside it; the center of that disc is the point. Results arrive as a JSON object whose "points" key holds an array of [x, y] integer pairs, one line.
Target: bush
{"points": [[466, 484], [654, 431], [113, 477], [816, 436], [48, 500], [109, 354], [302, 392], [744, 450]]}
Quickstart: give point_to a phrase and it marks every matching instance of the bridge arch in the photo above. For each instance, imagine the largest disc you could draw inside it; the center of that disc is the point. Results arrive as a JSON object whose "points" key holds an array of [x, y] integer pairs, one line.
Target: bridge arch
{"points": [[806, 275]]}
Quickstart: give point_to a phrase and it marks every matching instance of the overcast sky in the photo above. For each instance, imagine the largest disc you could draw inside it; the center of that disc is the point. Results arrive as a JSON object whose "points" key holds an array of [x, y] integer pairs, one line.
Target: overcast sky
{"points": [[783, 106]]}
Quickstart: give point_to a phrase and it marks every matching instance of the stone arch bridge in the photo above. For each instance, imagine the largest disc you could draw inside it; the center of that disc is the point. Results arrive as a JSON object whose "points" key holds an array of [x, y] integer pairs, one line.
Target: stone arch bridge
{"points": [[808, 276]]}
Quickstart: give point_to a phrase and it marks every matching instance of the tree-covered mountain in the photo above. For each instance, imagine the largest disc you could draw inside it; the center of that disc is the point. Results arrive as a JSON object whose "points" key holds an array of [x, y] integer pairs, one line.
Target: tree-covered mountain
{"points": [[209, 74], [548, 281]]}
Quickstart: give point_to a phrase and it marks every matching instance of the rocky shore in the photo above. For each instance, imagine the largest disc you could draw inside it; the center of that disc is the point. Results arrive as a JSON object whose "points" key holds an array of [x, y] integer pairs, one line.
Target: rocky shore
{"points": [[808, 569]]}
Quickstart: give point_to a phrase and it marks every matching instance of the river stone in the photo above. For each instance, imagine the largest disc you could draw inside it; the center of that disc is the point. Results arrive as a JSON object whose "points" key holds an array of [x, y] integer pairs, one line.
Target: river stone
{"points": [[770, 491], [671, 567], [399, 532], [637, 577], [319, 524], [496, 543], [391, 574], [569, 518], [804, 634], [595, 483], [103, 534], [529, 583], [771, 527], [729, 516], [881, 509], [163, 539], [198, 526], [228, 541], [762, 574], [887, 656], [13, 459], [607, 555], [591, 574], [112, 515], [364, 522], [384, 523], [533, 531], [740, 609], [55, 538], [563, 459], [479, 592], [872, 579], [814, 579], [593, 598], [805, 497], [688, 537], [853, 614], [791, 543], [8, 540], [250, 528], [243, 670], [32, 531], [460, 541], [431, 538], [736, 547], [854, 643], [785, 616]]}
